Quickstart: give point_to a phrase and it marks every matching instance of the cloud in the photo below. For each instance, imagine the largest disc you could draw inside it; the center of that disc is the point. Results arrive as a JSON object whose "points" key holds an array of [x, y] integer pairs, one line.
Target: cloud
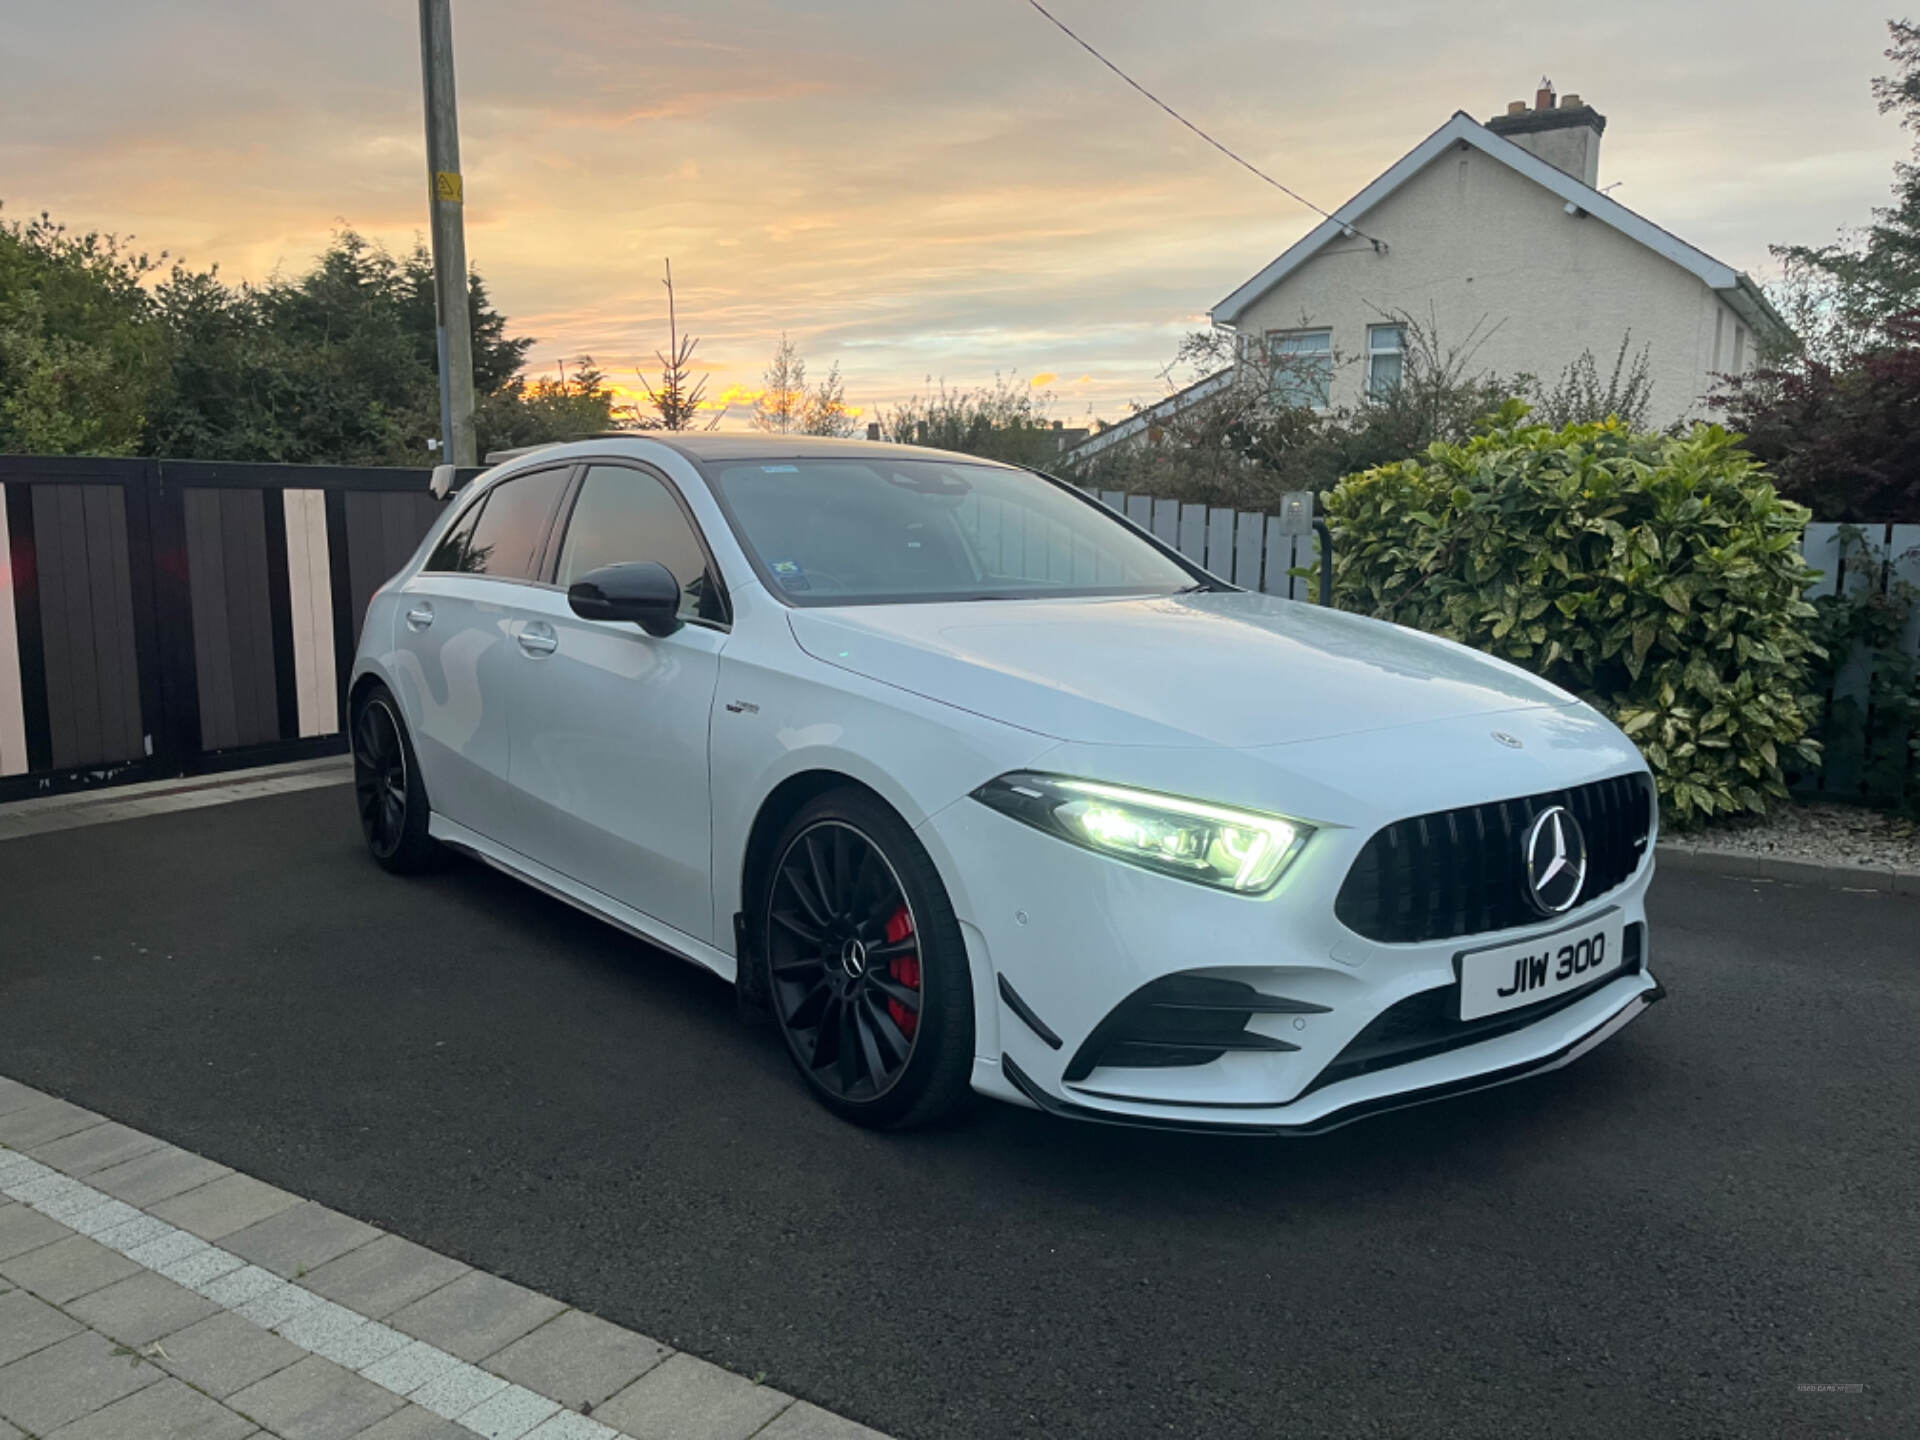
{"points": [[1043, 379], [915, 191]]}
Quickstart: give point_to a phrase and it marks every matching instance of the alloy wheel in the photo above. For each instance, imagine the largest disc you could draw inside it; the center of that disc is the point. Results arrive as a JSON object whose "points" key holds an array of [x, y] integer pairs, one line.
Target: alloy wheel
{"points": [[843, 953], [380, 777]]}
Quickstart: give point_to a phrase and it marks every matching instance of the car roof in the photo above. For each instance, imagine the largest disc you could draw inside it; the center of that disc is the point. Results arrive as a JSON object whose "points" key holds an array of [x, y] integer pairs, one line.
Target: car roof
{"points": [[720, 445]]}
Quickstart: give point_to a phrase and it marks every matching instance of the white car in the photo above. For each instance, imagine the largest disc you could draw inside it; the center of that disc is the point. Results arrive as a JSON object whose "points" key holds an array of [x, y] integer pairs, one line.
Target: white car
{"points": [[974, 785]]}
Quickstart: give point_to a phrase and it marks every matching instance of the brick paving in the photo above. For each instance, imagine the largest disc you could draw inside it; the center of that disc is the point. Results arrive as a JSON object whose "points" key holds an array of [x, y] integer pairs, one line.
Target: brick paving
{"points": [[149, 1294]]}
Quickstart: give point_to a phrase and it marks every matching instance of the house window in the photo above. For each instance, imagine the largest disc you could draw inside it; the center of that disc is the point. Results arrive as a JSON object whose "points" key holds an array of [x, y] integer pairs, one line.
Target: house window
{"points": [[1302, 363], [1386, 359]]}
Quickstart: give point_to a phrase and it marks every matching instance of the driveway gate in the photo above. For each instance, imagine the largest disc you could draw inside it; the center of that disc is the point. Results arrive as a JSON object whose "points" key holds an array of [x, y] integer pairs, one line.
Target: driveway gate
{"points": [[163, 617]]}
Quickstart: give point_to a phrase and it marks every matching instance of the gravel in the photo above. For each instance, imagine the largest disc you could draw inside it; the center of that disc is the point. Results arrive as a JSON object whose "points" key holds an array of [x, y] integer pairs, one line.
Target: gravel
{"points": [[1827, 834]]}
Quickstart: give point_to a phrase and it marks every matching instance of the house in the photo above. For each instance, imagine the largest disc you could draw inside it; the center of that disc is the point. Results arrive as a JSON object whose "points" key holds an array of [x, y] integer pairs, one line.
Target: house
{"points": [[1495, 239]]}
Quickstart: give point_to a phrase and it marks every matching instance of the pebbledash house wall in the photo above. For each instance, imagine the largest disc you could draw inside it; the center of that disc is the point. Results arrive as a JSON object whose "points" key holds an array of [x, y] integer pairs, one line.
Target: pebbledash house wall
{"points": [[1492, 261]]}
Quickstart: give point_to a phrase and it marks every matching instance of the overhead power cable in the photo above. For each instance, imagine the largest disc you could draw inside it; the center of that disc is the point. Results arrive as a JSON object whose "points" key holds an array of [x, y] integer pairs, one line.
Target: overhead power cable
{"points": [[1248, 165]]}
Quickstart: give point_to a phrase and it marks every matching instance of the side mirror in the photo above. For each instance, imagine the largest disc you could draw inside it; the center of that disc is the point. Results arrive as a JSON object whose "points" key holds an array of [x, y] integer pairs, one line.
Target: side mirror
{"points": [[644, 592]]}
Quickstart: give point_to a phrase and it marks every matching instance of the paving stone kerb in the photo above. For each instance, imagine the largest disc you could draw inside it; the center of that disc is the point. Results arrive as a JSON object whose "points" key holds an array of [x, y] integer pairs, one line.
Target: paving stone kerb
{"points": [[150, 1294], [1710, 860]]}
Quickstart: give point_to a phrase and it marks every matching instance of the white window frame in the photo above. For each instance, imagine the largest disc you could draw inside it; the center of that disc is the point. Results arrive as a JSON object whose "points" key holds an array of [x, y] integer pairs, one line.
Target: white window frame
{"points": [[1375, 351], [1274, 339]]}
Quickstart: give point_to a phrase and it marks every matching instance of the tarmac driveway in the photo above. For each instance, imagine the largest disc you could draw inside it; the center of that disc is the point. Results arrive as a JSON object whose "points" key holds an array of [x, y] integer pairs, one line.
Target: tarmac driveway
{"points": [[1674, 1236]]}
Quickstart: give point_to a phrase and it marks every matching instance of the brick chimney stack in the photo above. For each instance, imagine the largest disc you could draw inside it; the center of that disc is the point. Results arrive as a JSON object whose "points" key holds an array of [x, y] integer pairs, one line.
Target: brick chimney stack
{"points": [[1563, 131]]}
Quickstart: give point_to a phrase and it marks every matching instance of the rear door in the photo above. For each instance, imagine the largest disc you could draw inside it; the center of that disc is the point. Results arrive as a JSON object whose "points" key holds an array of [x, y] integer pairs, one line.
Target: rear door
{"points": [[610, 723], [455, 645]]}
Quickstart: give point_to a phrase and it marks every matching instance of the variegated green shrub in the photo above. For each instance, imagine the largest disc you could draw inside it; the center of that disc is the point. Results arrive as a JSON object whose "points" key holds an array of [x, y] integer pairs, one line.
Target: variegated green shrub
{"points": [[1657, 576]]}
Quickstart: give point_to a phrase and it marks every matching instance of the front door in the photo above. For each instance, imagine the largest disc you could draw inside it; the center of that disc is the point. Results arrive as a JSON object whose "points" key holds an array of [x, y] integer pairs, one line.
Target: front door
{"points": [[610, 723], [455, 655]]}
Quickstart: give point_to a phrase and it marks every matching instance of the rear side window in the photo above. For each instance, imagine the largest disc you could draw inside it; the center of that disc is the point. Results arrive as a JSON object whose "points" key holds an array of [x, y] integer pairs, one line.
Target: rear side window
{"points": [[626, 515], [502, 535]]}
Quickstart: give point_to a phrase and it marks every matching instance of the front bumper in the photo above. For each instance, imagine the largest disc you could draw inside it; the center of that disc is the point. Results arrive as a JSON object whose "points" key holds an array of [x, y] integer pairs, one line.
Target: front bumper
{"points": [[1060, 938]]}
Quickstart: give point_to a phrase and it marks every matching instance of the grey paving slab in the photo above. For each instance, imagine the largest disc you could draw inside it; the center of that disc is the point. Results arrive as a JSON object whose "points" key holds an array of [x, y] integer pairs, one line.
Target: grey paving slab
{"points": [[141, 1309], [158, 1175], [801, 1421], [687, 1399], [475, 1315], [569, 1426], [223, 1353], [15, 1096], [68, 1268], [300, 1238], [23, 1228], [508, 1415], [410, 1367], [136, 1232], [7, 1432], [45, 1120], [456, 1390], [238, 1287], [315, 1400], [96, 1148], [108, 1215], [223, 1206], [65, 1381], [410, 1422], [380, 1277], [165, 1410], [356, 1348], [578, 1359], [28, 1323]]}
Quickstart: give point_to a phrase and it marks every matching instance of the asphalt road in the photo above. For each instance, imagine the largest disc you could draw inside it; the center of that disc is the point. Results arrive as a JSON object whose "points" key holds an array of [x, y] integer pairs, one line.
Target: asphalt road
{"points": [[1665, 1239]]}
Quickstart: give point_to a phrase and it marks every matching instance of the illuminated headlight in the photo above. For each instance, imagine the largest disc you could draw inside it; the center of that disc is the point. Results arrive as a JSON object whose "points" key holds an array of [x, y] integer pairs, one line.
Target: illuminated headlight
{"points": [[1233, 849]]}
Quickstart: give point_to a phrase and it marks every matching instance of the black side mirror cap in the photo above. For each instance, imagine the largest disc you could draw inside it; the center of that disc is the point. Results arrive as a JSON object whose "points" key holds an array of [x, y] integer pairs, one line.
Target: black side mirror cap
{"points": [[644, 592]]}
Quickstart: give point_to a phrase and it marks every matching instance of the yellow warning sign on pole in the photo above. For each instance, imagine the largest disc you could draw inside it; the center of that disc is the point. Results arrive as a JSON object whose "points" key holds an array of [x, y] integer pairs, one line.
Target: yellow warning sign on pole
{"points": [[446, 186]]}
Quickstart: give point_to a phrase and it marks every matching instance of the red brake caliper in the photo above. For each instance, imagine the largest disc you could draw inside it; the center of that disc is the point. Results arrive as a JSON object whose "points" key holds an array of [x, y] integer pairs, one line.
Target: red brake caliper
{"points": [[905, 969]]}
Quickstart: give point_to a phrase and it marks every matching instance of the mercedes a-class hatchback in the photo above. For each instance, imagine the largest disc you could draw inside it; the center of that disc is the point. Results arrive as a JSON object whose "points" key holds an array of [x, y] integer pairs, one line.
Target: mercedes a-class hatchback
{"points": [[972, 785]]}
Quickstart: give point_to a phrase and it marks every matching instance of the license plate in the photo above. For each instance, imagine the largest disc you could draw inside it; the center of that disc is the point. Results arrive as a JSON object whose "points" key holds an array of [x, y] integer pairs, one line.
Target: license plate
{"points": [[1525, 972]]}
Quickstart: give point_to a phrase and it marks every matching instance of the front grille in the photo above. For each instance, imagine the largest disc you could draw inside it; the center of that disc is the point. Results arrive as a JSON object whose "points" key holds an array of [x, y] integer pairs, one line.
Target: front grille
{"points": [[1428, 1022], [1183, 1020], [1461, 872]]}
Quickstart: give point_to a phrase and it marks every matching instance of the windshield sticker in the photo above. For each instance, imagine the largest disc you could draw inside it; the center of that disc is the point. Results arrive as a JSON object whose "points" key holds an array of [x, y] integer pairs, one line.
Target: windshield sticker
{"points": [[780, 469], [791, 576]]}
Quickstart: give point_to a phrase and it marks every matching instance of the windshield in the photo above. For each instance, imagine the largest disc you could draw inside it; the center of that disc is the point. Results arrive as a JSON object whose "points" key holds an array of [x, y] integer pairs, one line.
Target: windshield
{"points": [[829, 532]]}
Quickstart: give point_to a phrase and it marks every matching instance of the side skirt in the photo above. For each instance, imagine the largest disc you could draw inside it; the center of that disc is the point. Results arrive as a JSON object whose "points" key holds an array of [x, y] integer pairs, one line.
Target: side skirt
{"points": [[582, 897]]}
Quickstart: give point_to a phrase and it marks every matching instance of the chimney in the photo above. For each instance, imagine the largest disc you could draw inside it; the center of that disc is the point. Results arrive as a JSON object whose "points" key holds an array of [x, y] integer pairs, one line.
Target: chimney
{"points": [[1563, 131]]}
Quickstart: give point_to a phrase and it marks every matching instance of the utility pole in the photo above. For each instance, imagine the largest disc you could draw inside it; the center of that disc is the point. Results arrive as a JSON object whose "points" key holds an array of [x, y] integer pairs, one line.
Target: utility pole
{"points": [[446, 197]]}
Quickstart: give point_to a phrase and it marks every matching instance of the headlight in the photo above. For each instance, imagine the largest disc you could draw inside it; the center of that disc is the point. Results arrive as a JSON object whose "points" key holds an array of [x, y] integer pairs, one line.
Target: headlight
{"points": [[1233, 849]]}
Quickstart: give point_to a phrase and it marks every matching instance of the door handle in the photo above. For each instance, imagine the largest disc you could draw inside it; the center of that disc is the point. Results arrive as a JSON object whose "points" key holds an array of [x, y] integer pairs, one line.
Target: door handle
{"points": [[420, 617], [539, 639]]}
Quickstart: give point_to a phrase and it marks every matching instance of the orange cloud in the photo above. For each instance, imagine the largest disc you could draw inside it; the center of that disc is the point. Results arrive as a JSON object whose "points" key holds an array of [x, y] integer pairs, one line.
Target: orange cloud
{"points": [[1045, 377]]}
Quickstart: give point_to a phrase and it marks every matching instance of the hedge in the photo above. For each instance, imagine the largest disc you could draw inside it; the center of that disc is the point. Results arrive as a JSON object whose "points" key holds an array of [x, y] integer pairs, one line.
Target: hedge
{"points": [[1658, 577]]}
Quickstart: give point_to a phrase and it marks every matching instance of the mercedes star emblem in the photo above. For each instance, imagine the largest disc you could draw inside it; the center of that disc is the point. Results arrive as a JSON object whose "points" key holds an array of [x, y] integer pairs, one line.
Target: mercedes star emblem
{"points": [[1556, 861]]}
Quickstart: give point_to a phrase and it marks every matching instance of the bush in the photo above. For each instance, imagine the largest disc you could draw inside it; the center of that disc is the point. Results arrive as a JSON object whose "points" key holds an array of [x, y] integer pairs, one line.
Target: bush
{"points": [[1656, 576]]}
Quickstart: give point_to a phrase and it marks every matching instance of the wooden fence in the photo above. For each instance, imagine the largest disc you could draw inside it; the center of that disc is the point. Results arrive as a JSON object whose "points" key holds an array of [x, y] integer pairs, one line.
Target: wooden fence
{"points": [[161, 617], [174, 616]]}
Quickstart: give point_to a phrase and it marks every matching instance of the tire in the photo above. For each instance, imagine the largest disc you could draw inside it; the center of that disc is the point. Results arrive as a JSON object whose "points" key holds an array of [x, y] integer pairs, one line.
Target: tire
{"points": [[860, 954], [387, 788]]}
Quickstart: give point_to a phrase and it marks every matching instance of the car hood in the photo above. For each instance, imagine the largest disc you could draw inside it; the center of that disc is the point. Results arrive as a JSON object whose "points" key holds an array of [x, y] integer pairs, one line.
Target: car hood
{"points": [[1223, 669]]}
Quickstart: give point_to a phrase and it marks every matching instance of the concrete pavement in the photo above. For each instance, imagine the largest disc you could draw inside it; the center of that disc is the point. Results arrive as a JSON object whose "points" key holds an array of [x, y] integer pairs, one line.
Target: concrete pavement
{"points": [[147, 1293]]}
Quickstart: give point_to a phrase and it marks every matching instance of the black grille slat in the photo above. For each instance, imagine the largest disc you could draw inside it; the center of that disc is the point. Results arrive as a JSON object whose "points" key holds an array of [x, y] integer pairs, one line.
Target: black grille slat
{"points": [[1184, 1019], [1458, 872]]}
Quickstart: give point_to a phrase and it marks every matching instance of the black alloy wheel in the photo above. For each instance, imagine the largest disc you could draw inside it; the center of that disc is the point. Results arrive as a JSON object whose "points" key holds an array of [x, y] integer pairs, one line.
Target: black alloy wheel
{"points": [[380, 778], [866, 972], [845, 960], [387, 786]]}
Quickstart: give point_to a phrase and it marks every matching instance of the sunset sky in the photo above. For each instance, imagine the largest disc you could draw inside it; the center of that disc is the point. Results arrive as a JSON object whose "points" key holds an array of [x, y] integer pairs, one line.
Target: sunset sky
{"points": [[912, 188]]}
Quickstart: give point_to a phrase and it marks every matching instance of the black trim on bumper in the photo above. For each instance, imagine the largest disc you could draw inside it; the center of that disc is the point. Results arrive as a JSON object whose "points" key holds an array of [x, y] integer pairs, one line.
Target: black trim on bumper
{"points": [[1068, 1110], [1025, 1012]]}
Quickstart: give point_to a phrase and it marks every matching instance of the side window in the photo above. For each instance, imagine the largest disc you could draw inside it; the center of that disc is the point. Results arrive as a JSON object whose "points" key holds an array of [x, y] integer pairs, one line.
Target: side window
{"points": [[454, 554], [625, 515]]}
